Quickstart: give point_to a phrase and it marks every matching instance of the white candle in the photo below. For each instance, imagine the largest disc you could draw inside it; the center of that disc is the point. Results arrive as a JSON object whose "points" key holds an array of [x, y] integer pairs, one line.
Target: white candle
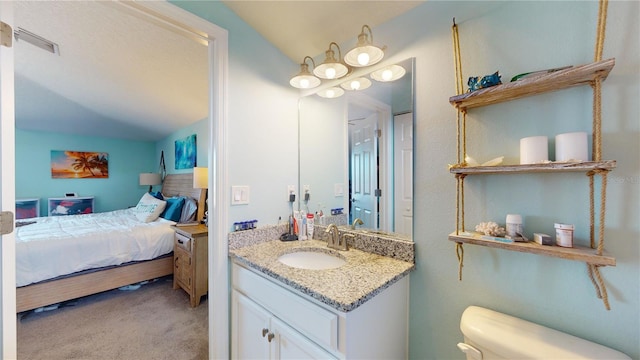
{"points": [[534, 149], [572, 147]]}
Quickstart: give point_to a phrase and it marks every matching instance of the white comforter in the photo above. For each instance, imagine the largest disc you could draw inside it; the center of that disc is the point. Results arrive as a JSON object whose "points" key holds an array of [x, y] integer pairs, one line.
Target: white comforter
{"points": [[62, 245]]}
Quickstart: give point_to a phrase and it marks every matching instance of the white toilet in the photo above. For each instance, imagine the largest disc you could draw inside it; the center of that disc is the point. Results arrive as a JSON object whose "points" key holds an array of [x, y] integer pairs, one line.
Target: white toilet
{"points": [[492, 335]]}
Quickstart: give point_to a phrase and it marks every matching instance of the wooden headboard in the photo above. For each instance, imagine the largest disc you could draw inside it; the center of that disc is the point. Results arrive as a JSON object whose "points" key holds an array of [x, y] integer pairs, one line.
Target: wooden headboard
{"points": [[182, 185]]}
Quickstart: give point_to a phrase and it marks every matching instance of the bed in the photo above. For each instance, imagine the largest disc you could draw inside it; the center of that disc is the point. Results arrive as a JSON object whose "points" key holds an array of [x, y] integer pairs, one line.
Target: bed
{"points": [[153, 246]]}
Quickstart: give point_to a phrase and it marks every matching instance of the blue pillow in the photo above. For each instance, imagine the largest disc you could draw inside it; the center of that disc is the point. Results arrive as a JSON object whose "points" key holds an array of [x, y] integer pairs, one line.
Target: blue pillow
{"points": [[157, 195], [173, 210]]}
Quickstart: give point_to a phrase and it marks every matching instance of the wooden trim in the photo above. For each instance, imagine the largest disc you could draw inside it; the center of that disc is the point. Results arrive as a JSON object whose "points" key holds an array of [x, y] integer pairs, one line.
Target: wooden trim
{"points": [[561, 79], [577, 253], [536, 168], [51, 292]]}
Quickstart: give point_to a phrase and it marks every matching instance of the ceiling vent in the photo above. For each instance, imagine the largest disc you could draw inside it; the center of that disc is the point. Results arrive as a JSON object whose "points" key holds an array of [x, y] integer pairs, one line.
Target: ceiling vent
{"points": [[33, 39]]}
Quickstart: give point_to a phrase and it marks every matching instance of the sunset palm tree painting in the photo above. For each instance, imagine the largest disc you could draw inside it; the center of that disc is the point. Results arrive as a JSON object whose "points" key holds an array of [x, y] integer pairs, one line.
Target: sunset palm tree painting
{"points": [[186, 152], [79, 164]]}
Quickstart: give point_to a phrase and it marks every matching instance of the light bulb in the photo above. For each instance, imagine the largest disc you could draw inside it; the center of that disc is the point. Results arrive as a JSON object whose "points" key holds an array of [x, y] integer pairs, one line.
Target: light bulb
{"points": [[363, 58], [330, 93], [387, 75], [355, 85], [304, 83], [330, 73]]}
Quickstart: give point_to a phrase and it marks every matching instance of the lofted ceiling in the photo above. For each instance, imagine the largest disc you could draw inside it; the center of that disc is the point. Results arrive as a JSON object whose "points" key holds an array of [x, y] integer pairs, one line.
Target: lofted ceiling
{"points": [[120, 75]]}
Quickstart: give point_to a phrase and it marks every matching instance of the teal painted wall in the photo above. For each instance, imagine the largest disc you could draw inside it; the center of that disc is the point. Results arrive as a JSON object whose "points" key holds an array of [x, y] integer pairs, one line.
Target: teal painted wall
{"points": [[167, 145], [512, 37], [262, 133], [127, 159]]}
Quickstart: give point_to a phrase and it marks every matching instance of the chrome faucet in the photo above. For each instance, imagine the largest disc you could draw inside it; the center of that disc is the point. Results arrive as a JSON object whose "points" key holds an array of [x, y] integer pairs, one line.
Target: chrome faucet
{"points": [[334, 240], [357, 221]]}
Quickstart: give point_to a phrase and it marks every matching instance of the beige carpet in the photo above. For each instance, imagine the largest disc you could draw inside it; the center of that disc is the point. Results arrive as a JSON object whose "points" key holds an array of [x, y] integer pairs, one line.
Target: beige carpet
{"points": [[153, 322]]}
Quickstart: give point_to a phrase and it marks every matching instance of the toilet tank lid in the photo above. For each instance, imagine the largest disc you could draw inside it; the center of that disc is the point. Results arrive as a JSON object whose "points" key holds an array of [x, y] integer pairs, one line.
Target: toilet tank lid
{"points": [[511, 338]]}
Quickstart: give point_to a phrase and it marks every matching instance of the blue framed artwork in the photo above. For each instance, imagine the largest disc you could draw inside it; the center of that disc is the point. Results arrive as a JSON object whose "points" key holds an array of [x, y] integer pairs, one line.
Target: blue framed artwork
{"points": [[186, 152]]}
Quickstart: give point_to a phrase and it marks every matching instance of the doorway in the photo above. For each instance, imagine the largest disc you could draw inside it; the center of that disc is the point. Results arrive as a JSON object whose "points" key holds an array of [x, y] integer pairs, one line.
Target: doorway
{"points": [[218, 55]]}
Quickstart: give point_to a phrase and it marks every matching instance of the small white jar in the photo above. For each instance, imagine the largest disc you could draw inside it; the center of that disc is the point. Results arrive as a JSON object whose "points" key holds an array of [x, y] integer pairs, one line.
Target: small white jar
{"points": [[514, 225], [564, 235]]}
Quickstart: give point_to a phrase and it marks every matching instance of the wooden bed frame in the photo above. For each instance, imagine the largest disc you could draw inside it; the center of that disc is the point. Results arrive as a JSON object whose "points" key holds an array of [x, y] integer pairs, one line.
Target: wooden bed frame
{"points": [[54, 291]]}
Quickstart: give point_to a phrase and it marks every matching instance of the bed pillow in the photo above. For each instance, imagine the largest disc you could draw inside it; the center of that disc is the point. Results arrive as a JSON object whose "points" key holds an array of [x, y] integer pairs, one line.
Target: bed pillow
{"points": [[149, 208], [189, 210], [173, 210], [157, 195]]}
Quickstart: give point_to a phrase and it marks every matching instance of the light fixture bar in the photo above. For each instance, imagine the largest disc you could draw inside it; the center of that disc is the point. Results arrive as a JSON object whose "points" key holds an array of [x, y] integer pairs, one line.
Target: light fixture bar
{"points": [[36, 40]]}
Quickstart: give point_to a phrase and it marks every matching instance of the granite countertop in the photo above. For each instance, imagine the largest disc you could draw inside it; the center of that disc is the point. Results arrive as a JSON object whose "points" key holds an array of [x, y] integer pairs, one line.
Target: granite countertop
{"points": [[345, 288]]}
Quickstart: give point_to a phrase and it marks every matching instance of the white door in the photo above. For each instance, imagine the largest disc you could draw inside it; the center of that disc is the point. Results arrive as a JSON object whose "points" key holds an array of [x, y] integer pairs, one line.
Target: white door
{"points": [[364, 170], [403, 173], [250, 328], [7, 186]]}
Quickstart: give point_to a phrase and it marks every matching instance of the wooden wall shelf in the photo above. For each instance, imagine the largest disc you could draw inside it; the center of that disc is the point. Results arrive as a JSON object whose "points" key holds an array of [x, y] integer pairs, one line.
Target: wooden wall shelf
{"points": [[577, 253], [536, 168], [561, 79]]}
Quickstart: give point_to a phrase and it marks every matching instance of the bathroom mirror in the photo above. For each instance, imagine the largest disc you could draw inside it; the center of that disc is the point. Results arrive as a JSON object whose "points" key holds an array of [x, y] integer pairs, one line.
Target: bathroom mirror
{"points": [[356, 153]]}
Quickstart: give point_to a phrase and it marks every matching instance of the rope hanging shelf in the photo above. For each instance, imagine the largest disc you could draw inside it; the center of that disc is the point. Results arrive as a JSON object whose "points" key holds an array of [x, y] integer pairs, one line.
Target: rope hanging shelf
{"points": [[588, 74]]}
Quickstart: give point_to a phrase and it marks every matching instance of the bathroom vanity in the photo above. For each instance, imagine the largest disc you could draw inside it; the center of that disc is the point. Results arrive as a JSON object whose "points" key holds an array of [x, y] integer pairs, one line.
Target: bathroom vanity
{"points": [[357, 310]]}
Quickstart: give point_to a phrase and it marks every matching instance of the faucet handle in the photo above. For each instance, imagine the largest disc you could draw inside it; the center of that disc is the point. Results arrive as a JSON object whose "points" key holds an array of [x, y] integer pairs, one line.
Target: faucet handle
{"points": [[345, 237]]}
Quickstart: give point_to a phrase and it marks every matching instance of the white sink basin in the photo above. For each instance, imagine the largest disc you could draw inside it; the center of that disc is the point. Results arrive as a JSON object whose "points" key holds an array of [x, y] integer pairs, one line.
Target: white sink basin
{"points": [[312, 260]]}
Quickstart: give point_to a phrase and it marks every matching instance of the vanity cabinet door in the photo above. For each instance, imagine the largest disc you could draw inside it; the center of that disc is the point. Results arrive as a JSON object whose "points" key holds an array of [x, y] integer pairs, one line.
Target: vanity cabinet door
{"points": [[249, 330], [290, 344], [258, 334]]}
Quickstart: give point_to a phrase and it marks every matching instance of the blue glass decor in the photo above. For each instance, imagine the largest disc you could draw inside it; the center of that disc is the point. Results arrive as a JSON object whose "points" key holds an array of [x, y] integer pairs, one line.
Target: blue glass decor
{"points": [[476, 83]]}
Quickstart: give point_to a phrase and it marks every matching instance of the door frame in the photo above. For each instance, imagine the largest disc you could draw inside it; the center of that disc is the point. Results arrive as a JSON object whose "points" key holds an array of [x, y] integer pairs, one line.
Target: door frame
{"points": [[218, 199], [7, 189]]}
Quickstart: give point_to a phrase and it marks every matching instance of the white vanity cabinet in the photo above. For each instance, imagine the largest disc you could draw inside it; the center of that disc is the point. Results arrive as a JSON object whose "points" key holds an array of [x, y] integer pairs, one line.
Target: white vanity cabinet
{"points": [[273, 321], [258, 334]]}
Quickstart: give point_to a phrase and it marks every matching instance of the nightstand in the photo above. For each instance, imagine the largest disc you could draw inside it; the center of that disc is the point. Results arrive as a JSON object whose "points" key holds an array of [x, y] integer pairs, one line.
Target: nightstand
{"points": [[190, 248]]}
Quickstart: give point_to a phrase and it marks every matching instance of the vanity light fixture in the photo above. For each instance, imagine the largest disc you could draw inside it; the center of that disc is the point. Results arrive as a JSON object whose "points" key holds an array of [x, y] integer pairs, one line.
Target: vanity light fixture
{"points": [[365, 53], [331, 68], [389, 73], [305, 79], [330, 93], [356, 84]]}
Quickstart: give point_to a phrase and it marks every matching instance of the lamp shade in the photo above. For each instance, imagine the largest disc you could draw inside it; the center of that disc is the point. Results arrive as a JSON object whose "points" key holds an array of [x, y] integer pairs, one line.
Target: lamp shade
{"points": [[365, 53], [389, 73], [305, 79], [331, 68], [200, 178], [150, 179], [330, 93], [356, 84]]}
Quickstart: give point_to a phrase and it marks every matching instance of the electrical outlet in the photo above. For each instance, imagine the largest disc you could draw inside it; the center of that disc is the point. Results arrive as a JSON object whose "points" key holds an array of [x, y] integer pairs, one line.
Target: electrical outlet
{"points": [[291, 190]]}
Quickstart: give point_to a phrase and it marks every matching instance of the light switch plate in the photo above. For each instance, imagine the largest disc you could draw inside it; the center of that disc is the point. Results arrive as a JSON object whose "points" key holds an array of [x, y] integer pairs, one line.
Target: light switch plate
{"points": [[239, 195], [338, 190]]}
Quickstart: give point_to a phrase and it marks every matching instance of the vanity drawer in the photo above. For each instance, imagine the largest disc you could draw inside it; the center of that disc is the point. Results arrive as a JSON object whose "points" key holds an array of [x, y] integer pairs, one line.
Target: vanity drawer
{"points": [[183, 241], [318, 324]]}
